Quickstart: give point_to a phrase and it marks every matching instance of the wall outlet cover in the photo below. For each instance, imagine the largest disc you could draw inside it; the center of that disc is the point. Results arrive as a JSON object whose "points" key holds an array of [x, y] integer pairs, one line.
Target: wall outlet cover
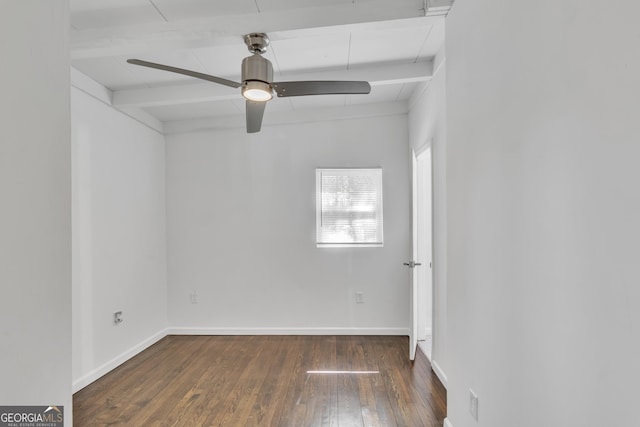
{"points": [[117, 317]]}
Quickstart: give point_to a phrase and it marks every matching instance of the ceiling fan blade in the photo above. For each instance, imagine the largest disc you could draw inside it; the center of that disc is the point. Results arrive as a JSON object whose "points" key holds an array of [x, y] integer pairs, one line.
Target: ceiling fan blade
{"points": [[255, 111], [190, 73], [320, 87]]}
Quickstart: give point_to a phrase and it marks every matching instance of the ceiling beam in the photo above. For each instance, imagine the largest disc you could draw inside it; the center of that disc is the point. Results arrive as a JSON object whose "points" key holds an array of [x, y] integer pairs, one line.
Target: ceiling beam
{"points": [[227, 30], [145, 118], [91, 87], [348, 112], [84, 83], [203, 92]]}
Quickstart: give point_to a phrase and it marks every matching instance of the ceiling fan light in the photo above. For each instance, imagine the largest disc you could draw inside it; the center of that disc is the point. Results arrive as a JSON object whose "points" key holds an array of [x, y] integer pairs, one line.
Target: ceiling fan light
{"points": [[257, 91]]}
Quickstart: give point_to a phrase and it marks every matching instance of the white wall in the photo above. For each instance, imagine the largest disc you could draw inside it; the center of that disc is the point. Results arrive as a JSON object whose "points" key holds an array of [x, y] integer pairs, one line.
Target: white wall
{"points": [[427, 126], [35, 218], [241, 231], [542, 178], [119, 237]]}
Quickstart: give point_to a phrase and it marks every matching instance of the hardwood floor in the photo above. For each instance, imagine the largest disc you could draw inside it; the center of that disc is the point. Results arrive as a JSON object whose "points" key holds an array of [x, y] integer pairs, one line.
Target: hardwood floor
{"points": [[264, 381]]}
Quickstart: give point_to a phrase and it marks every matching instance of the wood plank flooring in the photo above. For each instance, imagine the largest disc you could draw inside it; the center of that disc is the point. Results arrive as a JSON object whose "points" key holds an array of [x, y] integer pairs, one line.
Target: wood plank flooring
{"points": [[264, 381]]}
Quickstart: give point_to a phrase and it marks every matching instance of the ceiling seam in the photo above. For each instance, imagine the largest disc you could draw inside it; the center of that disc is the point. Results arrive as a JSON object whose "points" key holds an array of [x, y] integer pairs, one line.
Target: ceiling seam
{"points": [[349, 52], [424, 42], [400, 92], [197, 57], [275, 59], [158, 10]]}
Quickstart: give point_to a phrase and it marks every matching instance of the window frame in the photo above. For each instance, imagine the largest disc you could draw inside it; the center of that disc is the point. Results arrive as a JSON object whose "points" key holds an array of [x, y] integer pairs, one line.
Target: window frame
{"points": [[377, 174]]}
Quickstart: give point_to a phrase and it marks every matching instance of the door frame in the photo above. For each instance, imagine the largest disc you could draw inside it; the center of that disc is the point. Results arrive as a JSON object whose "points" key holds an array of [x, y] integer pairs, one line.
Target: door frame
{"points": [[425, 290]]}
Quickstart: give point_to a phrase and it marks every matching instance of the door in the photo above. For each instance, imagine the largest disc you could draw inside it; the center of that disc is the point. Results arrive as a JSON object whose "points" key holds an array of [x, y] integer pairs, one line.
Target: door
{"points": [[420, 277]]}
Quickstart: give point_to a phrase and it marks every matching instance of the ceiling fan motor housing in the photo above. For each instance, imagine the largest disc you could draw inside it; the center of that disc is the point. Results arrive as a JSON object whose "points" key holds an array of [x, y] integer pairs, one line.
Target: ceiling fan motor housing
{"points": [[255, 67], [257, 74]]}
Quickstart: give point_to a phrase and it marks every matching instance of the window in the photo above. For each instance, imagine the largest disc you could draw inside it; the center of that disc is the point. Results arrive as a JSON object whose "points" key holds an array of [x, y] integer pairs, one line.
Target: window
{"points": [[349, 207]]}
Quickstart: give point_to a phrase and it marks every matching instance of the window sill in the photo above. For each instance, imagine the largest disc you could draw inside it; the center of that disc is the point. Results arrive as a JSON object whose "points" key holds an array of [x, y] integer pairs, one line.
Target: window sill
{"points": [[349, 245]]}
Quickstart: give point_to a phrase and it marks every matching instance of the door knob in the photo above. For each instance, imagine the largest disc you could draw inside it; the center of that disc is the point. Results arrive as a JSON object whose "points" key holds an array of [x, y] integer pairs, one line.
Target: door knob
{"points": [[412, 264]]}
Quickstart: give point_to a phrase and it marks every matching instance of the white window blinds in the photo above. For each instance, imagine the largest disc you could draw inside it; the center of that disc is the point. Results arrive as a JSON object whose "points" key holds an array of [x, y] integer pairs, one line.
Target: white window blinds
{"points": [[349, 207]]}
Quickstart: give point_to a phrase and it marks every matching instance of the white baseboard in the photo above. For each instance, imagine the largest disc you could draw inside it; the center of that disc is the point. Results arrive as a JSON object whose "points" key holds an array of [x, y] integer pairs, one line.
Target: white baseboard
{"points": [[287, 331], [447, 423], [439, 373], [105, 368]]}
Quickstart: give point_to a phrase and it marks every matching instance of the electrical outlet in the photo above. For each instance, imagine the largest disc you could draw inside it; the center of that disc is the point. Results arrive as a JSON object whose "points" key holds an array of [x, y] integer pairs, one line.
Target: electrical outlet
{"points": [[473, 404], [193, 297], [117, 318], [359, 297]]}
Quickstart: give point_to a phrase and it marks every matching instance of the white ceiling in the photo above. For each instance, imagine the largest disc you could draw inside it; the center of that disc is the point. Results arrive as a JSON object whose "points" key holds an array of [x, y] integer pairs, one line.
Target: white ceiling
{"points": [[390, 43]]}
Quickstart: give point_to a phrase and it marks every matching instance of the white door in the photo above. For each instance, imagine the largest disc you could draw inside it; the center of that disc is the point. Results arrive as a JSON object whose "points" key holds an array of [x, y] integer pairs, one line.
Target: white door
{"points": [[421, 286], [424, 246]]}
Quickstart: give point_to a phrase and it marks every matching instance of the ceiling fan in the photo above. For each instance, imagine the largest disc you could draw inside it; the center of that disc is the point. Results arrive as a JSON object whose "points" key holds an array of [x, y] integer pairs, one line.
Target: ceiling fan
{"points": [[258, 85]]}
